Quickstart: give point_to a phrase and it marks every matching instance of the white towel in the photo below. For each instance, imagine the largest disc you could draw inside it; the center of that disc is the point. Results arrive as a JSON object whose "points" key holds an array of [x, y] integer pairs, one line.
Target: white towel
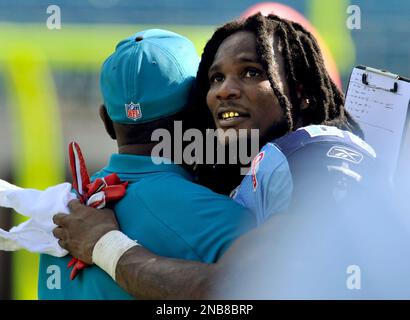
{"points": [[35, 234]]}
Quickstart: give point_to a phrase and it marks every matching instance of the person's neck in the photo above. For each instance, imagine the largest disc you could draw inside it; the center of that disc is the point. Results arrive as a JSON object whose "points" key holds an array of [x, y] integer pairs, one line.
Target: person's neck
{"points": [[136, 149]]}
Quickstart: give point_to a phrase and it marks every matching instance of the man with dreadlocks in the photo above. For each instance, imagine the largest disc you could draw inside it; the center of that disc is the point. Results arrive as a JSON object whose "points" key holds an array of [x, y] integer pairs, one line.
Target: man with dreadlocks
{"points": [[315, 236], [290, 62]]}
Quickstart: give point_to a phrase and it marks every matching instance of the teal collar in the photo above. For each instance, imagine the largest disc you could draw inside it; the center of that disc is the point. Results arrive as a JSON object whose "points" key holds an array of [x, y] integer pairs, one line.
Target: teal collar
{"points": [[131, 164]]}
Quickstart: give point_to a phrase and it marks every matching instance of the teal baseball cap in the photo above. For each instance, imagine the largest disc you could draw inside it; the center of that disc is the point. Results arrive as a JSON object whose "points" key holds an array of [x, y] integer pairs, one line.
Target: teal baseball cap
{"points": [[148, 77]]}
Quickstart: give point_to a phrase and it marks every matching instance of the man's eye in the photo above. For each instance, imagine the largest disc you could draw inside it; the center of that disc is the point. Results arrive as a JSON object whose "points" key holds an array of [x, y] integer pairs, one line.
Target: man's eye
{"points": [[217, 77], [252, 73]]}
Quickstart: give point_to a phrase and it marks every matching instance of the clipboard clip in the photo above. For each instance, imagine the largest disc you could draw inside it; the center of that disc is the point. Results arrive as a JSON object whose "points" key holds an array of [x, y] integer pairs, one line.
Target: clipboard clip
{"points": [[383, 73]]}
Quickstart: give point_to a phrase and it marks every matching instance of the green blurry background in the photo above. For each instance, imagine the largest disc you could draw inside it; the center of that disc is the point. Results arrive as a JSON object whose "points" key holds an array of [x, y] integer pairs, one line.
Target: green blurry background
{"points": [[49, 91]]}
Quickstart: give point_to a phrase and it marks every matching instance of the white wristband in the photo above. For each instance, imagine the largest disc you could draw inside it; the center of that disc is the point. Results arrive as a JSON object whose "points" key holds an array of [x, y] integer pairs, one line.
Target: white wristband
{"points": [[109, 249]]}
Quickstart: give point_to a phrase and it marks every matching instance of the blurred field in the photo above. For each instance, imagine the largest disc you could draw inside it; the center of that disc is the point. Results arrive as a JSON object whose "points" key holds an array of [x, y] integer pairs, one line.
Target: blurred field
{"points": [[81, 46]]}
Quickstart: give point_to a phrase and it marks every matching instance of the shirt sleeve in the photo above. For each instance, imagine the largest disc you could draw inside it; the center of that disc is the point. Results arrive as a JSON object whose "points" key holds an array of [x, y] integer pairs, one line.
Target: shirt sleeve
{"points": [[267, 188], [323, 176]]}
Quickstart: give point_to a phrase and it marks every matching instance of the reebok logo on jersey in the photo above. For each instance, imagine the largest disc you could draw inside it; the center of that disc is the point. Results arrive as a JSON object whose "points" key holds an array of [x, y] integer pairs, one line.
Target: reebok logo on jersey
{"points": [[345, 154]]}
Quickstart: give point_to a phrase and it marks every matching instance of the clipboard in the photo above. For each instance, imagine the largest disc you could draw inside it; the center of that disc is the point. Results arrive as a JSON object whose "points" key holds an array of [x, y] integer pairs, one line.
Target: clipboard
{"points": [[380, 101]]}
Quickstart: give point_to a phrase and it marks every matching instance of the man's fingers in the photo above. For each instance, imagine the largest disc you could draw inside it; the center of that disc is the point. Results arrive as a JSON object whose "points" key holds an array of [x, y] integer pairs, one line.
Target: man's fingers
{"points": [[58, 232], [59, 219], [74, 205]]}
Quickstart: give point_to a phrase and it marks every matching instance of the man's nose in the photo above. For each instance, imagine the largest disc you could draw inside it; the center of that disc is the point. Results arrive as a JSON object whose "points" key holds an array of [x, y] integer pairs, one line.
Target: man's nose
{"points": [[229, 89]]}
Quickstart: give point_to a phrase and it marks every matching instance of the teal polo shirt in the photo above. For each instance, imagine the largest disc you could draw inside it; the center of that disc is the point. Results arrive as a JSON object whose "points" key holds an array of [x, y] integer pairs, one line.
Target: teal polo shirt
{"points": [[166, 213]]}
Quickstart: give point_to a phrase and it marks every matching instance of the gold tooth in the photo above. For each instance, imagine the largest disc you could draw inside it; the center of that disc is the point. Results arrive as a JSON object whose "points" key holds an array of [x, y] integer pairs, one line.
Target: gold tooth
{"points": [[231, 114]]}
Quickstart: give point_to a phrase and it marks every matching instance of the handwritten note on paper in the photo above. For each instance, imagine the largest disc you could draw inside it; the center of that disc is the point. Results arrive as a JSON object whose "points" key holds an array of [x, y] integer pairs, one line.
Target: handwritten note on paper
{"points": [[381, 114]]}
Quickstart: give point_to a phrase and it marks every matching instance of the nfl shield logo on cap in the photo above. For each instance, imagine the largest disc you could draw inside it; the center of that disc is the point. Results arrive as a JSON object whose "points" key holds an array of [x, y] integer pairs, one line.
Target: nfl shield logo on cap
{"points": [[133, 111]]}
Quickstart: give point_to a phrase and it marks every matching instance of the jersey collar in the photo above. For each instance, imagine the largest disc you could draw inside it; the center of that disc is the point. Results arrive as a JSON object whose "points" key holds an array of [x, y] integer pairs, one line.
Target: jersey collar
{"points": [[131, 164]]}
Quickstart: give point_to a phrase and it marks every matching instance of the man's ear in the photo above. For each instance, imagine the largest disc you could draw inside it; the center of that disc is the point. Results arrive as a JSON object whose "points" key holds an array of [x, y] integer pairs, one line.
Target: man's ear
{"points": [[108, 124], [300, 92]]}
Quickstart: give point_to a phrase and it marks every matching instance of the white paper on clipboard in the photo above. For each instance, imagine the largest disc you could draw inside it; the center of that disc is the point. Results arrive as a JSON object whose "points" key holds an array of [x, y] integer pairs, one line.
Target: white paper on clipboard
{"points": [[380, 112]]}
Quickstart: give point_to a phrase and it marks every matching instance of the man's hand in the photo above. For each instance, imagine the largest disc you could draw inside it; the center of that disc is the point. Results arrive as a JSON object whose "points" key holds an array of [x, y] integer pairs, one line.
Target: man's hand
{"points": [[79, 231]]}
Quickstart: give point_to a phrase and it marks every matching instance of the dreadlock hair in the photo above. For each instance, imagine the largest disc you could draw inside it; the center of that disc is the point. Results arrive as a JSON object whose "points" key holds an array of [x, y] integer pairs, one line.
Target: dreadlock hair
{"points": [[304, 66]]}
